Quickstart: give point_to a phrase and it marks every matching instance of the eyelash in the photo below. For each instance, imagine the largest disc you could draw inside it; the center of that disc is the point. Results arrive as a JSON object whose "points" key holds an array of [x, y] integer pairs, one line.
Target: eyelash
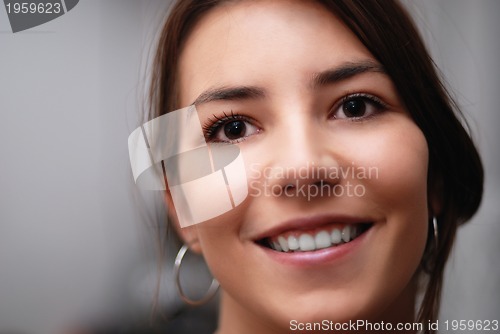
{"points": [[212, 125], [375, 101], [368, 98]]}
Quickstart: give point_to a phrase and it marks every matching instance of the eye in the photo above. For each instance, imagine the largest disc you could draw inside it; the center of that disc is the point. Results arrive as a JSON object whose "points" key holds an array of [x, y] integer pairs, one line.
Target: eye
{"points": [[358, 106], [231, 128]]}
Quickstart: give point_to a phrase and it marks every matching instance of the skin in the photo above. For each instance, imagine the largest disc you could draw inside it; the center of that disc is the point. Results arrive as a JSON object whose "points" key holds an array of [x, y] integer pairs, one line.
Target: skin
{"points": [[279, 47]]}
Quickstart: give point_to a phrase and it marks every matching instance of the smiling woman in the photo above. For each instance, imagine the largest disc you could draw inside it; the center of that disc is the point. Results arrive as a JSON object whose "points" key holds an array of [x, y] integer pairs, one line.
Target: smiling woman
{"points": [[315, 88]]}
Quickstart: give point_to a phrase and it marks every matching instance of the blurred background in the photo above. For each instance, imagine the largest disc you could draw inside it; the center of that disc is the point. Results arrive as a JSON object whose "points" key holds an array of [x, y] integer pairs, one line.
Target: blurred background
{"points": [[78, 242]]}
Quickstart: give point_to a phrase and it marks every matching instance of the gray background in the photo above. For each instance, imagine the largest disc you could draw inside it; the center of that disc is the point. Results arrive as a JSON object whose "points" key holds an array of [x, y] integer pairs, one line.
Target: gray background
{"points": [[75, 246]]}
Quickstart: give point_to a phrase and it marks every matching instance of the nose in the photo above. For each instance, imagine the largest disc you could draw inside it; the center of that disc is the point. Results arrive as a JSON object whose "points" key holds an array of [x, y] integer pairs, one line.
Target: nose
{"points": [[304, 163]]}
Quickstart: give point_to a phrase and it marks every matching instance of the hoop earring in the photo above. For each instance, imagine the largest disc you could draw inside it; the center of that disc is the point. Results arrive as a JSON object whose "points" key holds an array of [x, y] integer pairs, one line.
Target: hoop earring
{"points": [[436, 231], [212, 290]]}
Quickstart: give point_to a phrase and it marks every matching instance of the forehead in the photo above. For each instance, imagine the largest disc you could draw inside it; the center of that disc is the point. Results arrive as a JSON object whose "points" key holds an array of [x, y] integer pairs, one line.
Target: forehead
{"points": [[264, 43]]}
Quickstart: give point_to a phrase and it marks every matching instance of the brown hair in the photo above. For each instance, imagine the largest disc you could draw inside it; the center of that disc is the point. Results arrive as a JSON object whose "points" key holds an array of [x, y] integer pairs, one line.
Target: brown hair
{"points": [[455, 170]]}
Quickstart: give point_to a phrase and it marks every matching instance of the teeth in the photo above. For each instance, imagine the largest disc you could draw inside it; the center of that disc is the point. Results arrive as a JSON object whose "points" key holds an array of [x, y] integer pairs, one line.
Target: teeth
{"points": [[283, 243], [322, 240], [355, 233], [293, 243], [346, 233], [336, 236], [306, 242]]}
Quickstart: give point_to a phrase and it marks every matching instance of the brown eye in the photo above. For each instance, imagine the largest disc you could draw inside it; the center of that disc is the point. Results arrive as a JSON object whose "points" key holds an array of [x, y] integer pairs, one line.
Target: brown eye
{"points": [[354, 108], [230, 129], [235, 129], [358, 106]]}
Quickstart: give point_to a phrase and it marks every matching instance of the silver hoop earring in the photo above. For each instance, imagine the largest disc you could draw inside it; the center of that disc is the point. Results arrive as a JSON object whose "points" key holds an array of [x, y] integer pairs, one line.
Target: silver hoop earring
{"points": [[212, 290], [436, 232]]}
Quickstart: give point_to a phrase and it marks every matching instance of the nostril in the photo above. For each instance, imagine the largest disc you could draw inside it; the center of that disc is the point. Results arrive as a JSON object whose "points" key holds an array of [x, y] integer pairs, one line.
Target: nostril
{"points": [[287, 189], [323, 184]]}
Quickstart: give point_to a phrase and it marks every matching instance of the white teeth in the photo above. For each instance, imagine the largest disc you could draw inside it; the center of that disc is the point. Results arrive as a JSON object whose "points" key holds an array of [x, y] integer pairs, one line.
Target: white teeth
{"points": [[354, 233], [293, 243], [306, 242], [283, 243], [336, 236], [323, 239], [346, 233]]}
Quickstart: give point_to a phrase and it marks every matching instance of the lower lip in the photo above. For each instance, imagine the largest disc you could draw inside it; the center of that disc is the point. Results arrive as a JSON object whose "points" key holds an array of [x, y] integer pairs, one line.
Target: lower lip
{"points": [[318, 257]]}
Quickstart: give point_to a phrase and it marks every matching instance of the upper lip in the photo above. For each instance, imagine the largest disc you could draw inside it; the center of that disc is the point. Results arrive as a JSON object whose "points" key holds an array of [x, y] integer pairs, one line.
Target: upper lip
{"points": [[307, 223]]}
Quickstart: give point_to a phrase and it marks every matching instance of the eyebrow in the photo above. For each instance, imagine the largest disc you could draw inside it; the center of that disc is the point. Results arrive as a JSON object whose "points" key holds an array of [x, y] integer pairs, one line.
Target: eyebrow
{"points": [[346, 71], [330, 76], [230, 94]]}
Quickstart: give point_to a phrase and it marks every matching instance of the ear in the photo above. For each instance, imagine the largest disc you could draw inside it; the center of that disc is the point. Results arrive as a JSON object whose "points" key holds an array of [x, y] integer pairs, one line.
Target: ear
{"points": [[189, 235], [435, 206], [435, 194]]}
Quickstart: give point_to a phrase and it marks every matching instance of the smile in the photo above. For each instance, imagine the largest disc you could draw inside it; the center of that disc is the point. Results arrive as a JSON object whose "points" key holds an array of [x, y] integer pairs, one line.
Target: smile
{"points": [[320, 239]]}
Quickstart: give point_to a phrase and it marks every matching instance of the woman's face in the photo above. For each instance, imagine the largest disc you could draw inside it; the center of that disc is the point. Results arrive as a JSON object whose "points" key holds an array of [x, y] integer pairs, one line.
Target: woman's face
{"points": [[337, 169]]}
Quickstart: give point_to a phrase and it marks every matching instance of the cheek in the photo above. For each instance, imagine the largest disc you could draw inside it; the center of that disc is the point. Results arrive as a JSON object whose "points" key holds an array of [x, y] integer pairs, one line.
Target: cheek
{"points": [[216, 237], [397, 189], [402, 187], [394, 159], [397, 155]]}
